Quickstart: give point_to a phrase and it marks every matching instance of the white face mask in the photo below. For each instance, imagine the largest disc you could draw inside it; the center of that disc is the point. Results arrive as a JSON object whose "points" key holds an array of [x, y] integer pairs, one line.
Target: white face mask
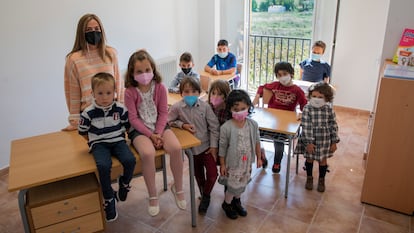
{"points": [[317, 102], [285, 80], [223, 55]]}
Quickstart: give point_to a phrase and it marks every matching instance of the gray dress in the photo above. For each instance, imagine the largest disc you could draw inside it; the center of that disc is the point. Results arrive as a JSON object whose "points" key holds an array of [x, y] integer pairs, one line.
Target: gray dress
{"points": [[237, 146]]}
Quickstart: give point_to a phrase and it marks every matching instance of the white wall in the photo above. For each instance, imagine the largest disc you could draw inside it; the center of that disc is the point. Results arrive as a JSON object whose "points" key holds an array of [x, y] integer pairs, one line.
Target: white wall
{"points": [[358, 53], [324, 18], [37, 35]]}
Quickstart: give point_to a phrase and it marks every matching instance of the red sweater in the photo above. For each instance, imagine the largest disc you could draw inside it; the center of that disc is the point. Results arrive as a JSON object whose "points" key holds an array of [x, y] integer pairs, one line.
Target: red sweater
{"points": [[284, 97]]}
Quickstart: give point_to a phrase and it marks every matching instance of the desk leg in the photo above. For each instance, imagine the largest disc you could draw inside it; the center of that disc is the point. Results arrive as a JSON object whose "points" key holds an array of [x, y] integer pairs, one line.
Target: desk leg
{"points": [[192, 192], [288, 166], [164, 172], [22, 202]]}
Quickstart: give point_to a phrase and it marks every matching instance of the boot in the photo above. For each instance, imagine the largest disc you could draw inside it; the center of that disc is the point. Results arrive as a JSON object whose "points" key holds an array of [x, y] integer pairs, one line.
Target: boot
{"points": [[228, 209], [236, 203], [321, 185], [309, 183]]}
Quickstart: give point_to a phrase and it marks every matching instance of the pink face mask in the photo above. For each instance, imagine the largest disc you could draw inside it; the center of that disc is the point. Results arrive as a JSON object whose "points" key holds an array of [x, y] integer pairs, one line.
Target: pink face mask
{"points": [[216, 101], [240, 116], [144, 78]]}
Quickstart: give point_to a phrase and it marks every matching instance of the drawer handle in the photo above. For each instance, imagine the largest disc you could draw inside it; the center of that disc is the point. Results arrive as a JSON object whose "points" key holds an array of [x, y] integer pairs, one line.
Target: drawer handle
{"points": [[74, 231], [69, 211]]}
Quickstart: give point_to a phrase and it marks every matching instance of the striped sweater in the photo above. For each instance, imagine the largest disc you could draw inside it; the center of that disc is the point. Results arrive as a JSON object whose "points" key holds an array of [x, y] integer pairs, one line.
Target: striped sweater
{"points": [[80, 67], [104, 124]]}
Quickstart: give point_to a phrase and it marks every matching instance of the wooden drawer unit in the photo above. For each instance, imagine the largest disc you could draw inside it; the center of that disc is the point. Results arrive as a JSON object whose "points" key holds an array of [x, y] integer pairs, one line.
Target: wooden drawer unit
{"points": [[71, 205]]}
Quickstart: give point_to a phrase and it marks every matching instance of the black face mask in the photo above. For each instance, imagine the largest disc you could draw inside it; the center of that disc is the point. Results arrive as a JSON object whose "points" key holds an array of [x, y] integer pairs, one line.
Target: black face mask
{"points": [[186, 70], [93, 37]]}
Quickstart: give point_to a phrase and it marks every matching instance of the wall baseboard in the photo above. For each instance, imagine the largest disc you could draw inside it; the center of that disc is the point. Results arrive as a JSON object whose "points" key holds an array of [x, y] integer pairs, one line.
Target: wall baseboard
{"points": [[351, 110], [4, 171]]}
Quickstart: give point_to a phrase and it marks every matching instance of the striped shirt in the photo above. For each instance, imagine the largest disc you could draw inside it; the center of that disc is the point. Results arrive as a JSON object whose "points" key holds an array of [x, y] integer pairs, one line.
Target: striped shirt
{"points": [[104, 124], [79, 70]]}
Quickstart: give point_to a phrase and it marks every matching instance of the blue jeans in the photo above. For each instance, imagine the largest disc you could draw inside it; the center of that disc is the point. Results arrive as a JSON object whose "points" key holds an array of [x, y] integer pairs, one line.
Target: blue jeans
{"points": [[102, 154]]}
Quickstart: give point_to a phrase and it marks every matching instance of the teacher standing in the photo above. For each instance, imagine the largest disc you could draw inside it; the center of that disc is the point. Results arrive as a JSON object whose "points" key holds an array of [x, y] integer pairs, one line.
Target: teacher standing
{"points": [[90, 55]]}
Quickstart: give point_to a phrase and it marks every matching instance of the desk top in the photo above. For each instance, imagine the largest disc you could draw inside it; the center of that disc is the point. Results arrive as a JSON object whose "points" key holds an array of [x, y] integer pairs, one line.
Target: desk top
{"points": [[276, 120], [60, 155], [226, 77], [176, 97]]}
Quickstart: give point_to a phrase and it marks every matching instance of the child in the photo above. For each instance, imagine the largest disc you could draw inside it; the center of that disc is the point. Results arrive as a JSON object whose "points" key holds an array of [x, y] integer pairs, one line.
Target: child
{"points": [[103, 124], [314, 69], [186, 64], [286, 96], [146, 100], [197, 117], [224, 62], [319, 132], [90, 55], [217, 95], [239, 143]]}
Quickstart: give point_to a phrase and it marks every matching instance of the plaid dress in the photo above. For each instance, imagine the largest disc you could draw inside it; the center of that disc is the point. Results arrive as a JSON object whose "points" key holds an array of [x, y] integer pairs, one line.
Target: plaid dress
{"points": [[319, 127]]}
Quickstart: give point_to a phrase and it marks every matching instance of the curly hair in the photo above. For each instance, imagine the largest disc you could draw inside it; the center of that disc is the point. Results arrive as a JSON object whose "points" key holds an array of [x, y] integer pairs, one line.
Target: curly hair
{"points": [[324, 88]]}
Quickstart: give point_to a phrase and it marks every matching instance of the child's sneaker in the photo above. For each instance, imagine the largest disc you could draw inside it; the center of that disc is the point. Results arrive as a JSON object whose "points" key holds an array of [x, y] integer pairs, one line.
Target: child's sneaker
{"points": [[276, 168], [264, 159], [236, 203], [228, 209], [110, 210], [205, 202], [123, 189]]}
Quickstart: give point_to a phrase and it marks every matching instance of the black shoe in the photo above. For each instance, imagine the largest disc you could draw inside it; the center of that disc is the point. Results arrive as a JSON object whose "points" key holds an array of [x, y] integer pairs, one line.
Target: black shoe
{"points": [[276, 168], [228, 209], [123, 190], [110, 210], [205, 202], [236, 203], [264, 162]]}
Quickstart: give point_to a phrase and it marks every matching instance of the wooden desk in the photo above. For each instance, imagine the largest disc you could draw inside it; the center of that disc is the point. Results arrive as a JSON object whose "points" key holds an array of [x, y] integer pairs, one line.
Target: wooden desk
{"points": [[173, 98], [226, 77], [61, 155], [278, 121]]}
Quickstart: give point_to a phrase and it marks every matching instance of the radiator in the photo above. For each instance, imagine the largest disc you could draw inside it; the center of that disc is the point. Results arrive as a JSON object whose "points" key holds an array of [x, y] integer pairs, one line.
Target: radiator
{"points": [[168, 68]]}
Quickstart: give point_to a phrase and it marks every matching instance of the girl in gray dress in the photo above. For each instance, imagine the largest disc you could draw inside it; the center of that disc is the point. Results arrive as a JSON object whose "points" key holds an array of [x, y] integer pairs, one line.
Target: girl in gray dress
{"points": [[319, 132], [239, 146]]}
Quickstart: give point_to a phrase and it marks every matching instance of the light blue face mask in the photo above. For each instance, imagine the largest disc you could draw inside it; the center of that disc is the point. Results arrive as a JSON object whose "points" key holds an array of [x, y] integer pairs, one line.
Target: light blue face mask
{"points": [[316, 57], [190, 100]]}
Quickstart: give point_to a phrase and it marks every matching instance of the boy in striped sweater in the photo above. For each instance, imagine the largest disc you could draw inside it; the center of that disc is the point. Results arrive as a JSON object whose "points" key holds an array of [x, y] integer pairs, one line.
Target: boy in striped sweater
{"points": [[103, 124]]}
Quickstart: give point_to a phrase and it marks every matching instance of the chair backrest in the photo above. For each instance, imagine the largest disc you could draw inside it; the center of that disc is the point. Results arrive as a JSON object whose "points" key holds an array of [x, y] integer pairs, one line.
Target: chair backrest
{"points": [[267, 94], [204, 83]]}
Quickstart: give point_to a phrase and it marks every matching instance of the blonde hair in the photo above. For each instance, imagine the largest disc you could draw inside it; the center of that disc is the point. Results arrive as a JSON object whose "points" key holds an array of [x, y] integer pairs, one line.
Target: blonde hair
{"points": [[100, 78]]}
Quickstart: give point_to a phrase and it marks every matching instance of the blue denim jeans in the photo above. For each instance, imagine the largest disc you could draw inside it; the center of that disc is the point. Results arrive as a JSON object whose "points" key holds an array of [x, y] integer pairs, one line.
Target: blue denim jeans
{"points": [[102, 153]]}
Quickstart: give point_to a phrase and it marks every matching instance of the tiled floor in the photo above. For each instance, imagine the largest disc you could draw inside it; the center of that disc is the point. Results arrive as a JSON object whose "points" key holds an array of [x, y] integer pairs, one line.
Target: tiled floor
{"points": [[338, 209]]}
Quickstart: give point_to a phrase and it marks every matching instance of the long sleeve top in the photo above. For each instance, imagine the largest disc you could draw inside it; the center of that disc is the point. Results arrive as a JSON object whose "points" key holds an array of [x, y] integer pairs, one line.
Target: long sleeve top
{"points": [[284, 97], [133, 100], [80, 67], [202, 117]]}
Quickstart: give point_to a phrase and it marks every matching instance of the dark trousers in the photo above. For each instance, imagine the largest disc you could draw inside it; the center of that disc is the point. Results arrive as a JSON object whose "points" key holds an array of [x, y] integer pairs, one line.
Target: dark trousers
{"points": [[205, 171], [102, 154]]}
